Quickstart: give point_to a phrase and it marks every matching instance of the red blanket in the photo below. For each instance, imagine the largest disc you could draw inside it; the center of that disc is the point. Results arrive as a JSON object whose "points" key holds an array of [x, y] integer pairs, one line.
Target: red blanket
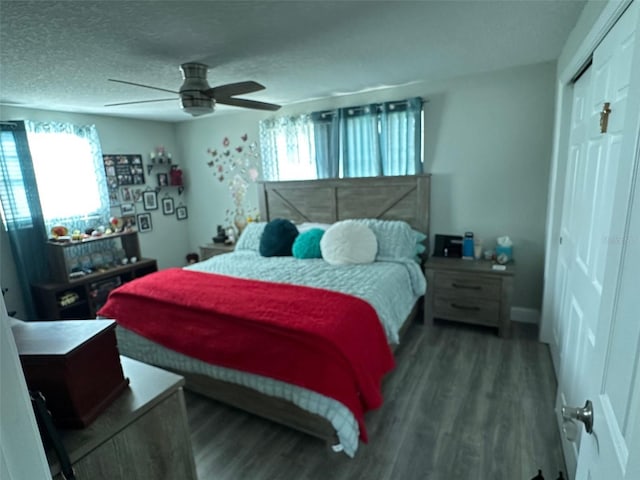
{"points": [[324, 341]]}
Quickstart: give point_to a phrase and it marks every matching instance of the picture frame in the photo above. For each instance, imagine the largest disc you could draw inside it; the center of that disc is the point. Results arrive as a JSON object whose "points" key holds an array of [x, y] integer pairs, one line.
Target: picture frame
{"points": [[127, 209], [163, 180], [150, 200], [123, 169], [125, 193], [181, 213], [114, 198], [128, 223], [168, 207], [144, 222], [136, 193]]}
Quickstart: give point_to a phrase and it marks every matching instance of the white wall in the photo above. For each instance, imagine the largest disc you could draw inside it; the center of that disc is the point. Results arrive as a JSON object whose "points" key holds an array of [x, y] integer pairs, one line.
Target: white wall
{"points": [[487, 144], [208, 197]]}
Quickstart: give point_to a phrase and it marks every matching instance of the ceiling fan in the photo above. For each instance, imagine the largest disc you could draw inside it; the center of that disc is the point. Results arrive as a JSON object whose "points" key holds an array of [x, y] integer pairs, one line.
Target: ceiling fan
{"points": [[197, 97]]}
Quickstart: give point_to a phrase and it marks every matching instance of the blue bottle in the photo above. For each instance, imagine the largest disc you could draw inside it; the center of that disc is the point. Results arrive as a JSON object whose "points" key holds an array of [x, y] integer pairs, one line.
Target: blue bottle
{"points": [[467, 246]]}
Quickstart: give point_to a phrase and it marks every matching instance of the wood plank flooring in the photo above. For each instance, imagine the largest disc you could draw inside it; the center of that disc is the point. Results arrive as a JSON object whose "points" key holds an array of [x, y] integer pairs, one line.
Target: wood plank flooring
{"points": [[461, 404]]}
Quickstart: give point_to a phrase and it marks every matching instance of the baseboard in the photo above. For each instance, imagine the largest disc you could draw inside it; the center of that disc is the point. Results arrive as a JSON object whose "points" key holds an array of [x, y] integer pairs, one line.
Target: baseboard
{"points": [[525, 315]]}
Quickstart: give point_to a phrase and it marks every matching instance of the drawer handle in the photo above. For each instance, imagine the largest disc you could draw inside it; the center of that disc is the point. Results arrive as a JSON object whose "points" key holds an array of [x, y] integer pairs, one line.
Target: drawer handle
{"points": [[464, 307], [467, 287]]}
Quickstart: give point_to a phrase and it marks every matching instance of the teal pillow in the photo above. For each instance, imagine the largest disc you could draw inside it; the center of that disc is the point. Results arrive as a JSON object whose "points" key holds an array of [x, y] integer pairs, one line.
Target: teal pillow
{"points": [[277, 238], [420, 246], [307, 244]]}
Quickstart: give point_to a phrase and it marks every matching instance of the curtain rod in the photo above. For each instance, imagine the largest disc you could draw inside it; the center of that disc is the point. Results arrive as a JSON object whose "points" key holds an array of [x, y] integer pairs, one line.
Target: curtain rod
{"points": [[327, 113]]}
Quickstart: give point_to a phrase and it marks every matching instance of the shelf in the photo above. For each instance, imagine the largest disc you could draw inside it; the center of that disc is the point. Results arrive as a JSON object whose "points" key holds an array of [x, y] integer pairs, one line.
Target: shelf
{"points": [[179, 187], [112, 272], [84, 241], [46, 295], [166, 167], [59, 267]]}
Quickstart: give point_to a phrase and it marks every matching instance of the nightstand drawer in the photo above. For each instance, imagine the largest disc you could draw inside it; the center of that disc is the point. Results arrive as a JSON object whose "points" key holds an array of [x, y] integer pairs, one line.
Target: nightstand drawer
{"points": [[460, 284], [465, 309]]}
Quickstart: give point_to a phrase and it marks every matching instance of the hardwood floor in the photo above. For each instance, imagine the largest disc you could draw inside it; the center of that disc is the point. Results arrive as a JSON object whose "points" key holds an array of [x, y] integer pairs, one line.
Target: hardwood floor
{"points": [[461, 404]]}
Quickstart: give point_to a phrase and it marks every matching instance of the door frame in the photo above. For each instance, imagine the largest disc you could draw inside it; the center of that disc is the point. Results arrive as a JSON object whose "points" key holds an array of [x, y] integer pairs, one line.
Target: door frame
{"points": [[568, 70]]}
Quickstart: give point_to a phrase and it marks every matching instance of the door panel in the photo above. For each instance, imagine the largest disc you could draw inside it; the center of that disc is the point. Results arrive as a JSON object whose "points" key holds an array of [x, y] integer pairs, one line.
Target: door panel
{"points": [[573, 256], [602, 358], [598, 359]]}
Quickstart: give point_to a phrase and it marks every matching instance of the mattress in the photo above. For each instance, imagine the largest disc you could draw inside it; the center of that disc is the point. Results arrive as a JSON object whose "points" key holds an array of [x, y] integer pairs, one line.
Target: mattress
{"points": [[391, 288]]}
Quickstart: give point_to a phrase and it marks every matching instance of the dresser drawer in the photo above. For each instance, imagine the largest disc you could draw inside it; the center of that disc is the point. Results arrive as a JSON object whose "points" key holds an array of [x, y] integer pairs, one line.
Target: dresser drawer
{"points": [[468, 285], [467, 309]]}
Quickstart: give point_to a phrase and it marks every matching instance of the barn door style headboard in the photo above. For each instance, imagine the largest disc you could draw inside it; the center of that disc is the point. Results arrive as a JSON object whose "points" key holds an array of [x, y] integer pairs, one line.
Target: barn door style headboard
{"points": [[329, 200]]}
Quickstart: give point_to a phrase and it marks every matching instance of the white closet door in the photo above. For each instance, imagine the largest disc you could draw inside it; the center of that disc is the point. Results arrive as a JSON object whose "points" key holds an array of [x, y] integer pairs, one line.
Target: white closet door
{"points": [[589, 269]]}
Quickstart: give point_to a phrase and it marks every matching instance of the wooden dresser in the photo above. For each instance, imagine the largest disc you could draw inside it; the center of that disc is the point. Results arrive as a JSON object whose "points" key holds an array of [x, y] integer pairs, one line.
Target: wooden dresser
{"points": [[143, 434], [469, 291]]}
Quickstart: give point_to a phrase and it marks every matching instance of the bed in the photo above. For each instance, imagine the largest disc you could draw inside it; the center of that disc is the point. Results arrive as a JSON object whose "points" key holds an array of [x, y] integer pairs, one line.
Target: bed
{"points": [[318, 201]]}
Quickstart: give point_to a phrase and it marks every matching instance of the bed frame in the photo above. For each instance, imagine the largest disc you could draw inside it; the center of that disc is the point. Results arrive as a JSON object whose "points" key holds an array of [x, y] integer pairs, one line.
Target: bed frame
{"points": [[327, 201], [323, 201]]}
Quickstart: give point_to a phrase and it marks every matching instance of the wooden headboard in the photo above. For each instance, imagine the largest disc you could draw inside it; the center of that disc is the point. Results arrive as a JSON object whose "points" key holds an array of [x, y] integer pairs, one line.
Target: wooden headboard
{"points": [[329, 200]]}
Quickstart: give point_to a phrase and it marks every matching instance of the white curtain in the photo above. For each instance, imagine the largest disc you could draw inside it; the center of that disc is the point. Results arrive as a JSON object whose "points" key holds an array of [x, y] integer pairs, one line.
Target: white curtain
{"points": [[288, 151], [67, 160]]}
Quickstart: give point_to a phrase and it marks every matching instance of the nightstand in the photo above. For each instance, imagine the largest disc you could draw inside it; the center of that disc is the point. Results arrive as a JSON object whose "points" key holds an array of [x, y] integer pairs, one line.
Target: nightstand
{"points": [[212, 249], [469, 291]]}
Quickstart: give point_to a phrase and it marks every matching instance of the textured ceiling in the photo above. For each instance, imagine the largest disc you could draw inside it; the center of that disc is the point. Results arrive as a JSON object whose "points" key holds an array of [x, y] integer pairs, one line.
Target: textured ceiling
{"points": [[58, 55]]}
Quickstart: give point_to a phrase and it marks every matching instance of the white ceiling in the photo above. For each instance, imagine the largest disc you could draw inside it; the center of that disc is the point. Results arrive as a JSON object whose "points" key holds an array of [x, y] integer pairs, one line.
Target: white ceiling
{"points": [[57, 55]]}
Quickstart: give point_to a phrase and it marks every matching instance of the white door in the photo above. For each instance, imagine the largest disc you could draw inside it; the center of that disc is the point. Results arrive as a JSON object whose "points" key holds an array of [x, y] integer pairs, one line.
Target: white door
{"points": [[593, 332], [613, 450]]}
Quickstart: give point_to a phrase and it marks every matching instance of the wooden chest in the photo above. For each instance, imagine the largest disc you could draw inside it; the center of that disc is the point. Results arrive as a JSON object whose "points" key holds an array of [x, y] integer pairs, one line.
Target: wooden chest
{"points": [[75, 364]]}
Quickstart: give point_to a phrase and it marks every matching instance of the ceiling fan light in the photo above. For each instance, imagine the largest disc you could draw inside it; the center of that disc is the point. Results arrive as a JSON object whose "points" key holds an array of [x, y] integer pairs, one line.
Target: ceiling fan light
{"points": [[196, 106]]}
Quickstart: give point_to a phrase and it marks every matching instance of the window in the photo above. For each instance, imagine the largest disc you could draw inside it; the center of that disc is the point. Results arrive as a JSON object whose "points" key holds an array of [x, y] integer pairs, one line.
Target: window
{"points": [[289, 142], [64, 175], [55, 168], [363, 141]]}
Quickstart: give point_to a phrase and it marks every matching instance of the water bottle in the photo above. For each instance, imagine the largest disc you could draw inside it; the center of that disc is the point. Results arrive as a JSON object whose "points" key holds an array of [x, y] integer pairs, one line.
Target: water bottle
{"points": [[467, 245]]}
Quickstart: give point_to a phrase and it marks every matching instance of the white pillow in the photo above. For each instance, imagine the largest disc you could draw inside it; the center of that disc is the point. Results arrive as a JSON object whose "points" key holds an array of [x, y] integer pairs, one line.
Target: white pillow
{"points": [[396, 239], [348, 242]]}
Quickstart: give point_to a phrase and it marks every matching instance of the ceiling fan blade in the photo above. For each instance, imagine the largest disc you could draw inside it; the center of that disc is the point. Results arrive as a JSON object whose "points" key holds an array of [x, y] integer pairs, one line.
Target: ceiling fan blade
{"points": [[233, 89], [143, 86], [241, 102], [140, 101]]}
